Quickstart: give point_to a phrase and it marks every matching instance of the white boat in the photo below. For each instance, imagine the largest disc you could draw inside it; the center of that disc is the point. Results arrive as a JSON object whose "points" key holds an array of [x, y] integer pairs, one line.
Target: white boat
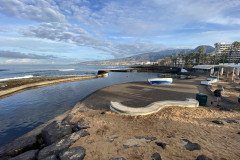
{"points": [[160, 80]]}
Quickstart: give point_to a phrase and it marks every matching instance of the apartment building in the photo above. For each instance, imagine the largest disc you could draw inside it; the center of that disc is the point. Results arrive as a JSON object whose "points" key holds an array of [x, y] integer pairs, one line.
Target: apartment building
{"points": [[232, 56]]}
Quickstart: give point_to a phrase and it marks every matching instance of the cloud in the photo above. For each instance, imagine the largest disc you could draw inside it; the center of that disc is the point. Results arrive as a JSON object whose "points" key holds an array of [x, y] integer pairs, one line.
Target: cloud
{"points": [[38, 10], [18, 55], [80, 37]]}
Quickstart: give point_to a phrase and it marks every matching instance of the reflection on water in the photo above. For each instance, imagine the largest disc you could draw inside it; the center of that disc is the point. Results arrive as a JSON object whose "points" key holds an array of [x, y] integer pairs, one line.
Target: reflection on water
{"points": [[25, 111]]}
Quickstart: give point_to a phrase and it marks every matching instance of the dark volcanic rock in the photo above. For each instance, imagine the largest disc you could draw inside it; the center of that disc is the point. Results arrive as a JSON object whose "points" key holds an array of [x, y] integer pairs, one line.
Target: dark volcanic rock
{"points": [[81, 124], [119, 158], [61, 144], [52, 157], [231, 121], [203, 157], [218, 122], [156, 156], [18, 146], [225, 109], [76, 153], [29, 155], [161, 144], [55, 131], [191, 146]]}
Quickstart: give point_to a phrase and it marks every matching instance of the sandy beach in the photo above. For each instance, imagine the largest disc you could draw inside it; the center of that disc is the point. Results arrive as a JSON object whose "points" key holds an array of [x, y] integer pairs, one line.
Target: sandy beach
{"points": [[110, 132], [174, 133]]}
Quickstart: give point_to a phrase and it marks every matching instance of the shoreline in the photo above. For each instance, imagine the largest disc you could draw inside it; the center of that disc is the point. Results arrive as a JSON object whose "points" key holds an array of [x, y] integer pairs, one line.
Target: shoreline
{"points": [[111, 130], [21, 88]]}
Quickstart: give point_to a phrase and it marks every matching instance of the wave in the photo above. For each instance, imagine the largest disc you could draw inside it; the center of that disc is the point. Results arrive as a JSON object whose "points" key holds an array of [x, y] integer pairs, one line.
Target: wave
{"points": [[6, 79], [65, 70]]}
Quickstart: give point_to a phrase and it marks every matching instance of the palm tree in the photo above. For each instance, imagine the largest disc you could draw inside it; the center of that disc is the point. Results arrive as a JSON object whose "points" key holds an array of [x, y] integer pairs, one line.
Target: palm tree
{"points": [[171, 58], [216, 48], [235, 47], [200, 53]]}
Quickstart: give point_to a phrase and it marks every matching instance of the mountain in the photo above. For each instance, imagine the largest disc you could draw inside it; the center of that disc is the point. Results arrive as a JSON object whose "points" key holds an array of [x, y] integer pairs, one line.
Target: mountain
{"points": [[207, 49], [149, 57]]}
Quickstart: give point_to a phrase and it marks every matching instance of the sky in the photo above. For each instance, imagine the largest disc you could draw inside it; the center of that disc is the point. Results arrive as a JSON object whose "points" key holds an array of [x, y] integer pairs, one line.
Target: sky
{"points": [[72, 31]]}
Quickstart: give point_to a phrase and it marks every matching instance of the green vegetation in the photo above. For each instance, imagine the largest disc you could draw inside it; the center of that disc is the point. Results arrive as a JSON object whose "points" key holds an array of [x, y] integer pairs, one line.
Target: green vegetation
{"points": [[199, 56]]}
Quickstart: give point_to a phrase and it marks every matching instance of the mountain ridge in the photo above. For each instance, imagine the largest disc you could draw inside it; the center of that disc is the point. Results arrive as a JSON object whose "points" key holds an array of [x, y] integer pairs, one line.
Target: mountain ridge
{"points": [[151, 57]]}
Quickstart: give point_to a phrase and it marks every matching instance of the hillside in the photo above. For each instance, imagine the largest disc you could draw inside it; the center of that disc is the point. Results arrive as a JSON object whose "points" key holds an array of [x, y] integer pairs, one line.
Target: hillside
{"points": [[151, 57]]}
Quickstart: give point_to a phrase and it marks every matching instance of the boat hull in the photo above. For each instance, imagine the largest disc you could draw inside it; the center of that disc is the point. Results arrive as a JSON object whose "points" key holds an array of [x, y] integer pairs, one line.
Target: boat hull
{"points": [[159, 81]]}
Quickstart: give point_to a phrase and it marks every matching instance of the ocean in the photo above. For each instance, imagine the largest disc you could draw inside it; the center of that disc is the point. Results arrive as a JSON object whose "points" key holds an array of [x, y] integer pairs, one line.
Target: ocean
{"points": [[22, 112]]}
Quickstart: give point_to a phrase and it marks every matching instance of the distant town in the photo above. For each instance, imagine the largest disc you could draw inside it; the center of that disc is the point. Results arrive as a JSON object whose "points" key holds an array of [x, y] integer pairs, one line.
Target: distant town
{"points": [[222, 53]]}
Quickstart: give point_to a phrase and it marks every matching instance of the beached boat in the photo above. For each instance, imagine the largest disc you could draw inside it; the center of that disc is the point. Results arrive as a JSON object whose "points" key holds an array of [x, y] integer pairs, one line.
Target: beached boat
{"points": [[160, 80]]}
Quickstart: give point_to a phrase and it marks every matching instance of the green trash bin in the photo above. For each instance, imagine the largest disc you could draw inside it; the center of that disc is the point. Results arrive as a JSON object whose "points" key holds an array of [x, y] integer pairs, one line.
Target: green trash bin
{"points": [[202, 99]]}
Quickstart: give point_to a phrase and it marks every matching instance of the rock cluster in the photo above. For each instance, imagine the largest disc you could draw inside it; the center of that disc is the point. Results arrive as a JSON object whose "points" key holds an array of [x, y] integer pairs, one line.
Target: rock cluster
{"points": [[52, 143]]}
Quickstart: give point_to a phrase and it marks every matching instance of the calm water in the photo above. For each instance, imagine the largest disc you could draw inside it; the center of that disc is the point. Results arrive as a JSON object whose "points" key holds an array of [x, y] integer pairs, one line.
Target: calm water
{"points": [[25, 111]]}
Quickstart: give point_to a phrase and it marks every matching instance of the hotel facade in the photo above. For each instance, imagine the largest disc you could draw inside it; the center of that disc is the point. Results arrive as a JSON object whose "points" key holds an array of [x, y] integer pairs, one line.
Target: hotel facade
{"points": [[224, 48]]}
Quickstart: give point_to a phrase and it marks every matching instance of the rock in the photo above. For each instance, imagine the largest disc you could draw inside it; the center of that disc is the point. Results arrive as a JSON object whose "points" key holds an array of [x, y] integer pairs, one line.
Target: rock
{"points": [[52, 157], [225, 109], [103, 112], [61, 144], [231, 121], [29, 155], [156, 156], [18, 146], [191, 146], [112, 138], [76, 153], [55, 131], [218, 122], [135, 143], [147, 138], [81, 124], [238, 133], [119, 158], [203, 157], [161, 144]]}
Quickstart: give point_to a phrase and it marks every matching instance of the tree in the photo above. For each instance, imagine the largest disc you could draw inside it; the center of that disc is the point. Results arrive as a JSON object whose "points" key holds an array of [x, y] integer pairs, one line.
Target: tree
{"points": [[235, 48], [215, 55], [200, 53]]}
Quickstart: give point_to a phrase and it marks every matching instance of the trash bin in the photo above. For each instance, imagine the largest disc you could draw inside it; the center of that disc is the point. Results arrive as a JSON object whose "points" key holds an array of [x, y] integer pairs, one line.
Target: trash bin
{"points": [[202, 99]]}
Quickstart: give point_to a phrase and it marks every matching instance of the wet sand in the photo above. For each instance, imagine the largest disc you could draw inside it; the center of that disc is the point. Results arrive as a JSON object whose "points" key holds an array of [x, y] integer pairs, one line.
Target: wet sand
{"points": [[110, 132]]}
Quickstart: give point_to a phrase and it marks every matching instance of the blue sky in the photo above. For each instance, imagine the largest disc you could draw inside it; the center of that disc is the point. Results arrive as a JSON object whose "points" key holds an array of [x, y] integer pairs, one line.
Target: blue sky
{"points": [[71, 31]]}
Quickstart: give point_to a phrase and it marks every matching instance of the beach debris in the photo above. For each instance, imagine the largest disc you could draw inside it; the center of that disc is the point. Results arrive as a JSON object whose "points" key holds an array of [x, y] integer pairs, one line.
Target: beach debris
{"points": [[26, 155], [55, 131], [76, 153], [18, 146], [218, 122], [156, 156], [148, 139], [4, 85], [61, 144], [119, 158], [203, 157], [171, 136], [103, 112], [191, 146], [112, 138], [81, 124], [161, 144], [238, 133]]}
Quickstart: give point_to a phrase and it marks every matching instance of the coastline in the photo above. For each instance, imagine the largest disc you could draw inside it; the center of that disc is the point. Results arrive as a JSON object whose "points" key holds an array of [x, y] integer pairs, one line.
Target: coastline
{"points": [[175, 127], [21, 88]]}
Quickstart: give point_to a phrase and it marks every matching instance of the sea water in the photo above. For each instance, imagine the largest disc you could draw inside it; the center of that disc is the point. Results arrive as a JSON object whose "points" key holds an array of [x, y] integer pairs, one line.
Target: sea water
{"points": [[22, 112]]}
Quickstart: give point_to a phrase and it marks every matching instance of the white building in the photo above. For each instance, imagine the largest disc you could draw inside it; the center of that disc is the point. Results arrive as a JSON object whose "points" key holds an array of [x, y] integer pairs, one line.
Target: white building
{"points": [[232, 56]]}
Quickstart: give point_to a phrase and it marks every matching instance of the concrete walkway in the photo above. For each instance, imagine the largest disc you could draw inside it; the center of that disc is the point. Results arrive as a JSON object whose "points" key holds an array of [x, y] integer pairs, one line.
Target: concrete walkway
{"points": [[152, 108]]}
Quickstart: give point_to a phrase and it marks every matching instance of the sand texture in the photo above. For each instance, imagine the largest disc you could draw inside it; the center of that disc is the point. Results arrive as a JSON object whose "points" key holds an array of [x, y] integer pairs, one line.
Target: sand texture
{"points": [[135, 137]]}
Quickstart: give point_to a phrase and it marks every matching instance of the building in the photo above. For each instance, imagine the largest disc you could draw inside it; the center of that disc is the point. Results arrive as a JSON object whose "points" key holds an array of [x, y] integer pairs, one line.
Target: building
{"points": [[224, 48]]}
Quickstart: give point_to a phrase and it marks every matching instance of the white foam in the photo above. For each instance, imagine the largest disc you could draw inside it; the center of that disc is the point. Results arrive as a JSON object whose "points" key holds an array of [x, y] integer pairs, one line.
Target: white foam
{"points": [[65, 70], [6, 79]]}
